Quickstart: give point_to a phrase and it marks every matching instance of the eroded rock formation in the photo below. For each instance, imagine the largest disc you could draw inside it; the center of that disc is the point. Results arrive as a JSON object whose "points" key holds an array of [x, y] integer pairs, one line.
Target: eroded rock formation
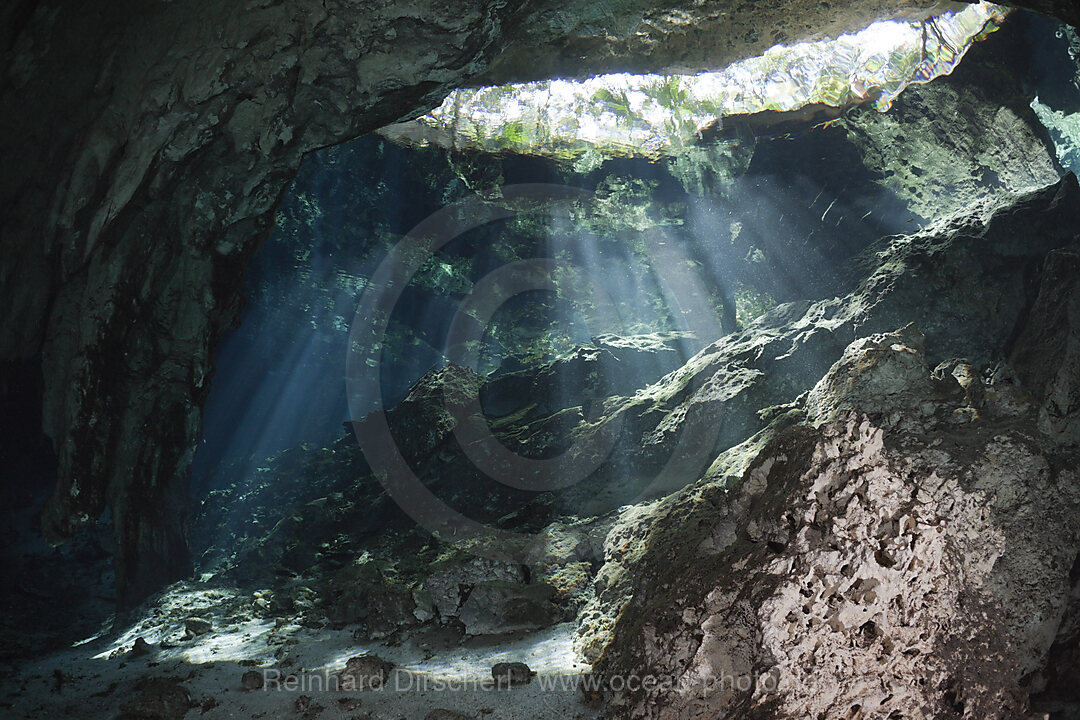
{"points": [[154, 141], [963, 137], [888, 554], [858, 566], [902, 539], [964, 282]]}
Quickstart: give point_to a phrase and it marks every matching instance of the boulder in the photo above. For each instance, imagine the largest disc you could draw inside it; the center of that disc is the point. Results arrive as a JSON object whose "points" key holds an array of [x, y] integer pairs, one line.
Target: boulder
{"points": [[364, 672], [508, 674], [874, 556], [494, 608]]}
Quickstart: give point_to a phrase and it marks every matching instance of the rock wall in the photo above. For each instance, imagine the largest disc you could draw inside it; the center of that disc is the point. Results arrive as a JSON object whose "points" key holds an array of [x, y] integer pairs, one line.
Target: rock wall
{"points": [[963, 137], [901, 539], [156, 139], [905, 561], [965, 281]]}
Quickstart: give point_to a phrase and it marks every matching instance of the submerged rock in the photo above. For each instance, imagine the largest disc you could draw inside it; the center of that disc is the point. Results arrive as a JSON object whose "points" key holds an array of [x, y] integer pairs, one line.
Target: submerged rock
{"points": [[508, 674], [193, 627], [252, 680], [139, 648], [494, 608], [611, 365], [424, 419], [366, 672], [883, 373], [853, 561], [306, 707], [960, 139], [157, 699], [1046, 356], [964, 282], [971, 285], [897, 538]]}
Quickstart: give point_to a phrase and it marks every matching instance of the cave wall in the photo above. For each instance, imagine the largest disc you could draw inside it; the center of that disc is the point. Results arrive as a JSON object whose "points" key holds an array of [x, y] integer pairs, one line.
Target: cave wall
{"points": [[788, 582], [965, 136], [145, 144], [154, 141]]}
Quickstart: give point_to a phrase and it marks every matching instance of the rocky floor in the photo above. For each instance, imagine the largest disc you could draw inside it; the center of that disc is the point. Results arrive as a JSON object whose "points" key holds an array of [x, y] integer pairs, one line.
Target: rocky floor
{"points": [[209, 653]]}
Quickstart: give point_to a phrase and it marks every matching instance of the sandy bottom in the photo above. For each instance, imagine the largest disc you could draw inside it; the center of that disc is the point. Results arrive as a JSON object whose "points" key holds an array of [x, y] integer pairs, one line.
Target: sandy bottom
{"points": [[97, 677]]}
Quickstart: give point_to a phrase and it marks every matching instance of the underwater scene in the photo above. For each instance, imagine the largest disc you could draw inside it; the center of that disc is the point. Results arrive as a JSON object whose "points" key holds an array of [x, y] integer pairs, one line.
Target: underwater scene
{"points": [[744, 393]]}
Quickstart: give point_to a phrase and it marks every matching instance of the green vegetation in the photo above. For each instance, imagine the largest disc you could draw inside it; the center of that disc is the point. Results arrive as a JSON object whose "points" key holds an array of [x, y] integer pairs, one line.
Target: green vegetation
{"points": [[660, 115]]}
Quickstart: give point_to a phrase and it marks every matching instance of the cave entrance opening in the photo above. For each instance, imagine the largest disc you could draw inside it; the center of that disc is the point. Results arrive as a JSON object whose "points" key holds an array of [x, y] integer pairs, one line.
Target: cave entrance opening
{"points": [[788, 88]]}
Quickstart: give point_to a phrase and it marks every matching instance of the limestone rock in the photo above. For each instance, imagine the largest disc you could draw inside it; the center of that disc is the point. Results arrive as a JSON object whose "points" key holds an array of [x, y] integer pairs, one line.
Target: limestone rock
{"points": [[423, 420], [452, 579], [1047, 354], [942, 147], [647, 33], [962, 282], [196, 626], [496, 607], [611, 365], [365, 672], [157, 698], [508, 674], [349, 593], [850, 565], [882, 373], [150, 148], [390, 609], [306, 707], [252, 680], [139, 648], [189, 130]]}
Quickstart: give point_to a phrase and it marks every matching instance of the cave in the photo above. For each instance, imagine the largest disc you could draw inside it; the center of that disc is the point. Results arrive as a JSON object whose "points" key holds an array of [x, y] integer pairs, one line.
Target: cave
{"points": [[595, 360]]}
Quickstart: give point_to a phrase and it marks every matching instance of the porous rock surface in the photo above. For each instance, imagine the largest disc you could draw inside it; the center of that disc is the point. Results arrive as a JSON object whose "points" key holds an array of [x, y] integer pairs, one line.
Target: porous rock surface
{"points": [[965, 137], [964, 281], [879, 554], [899, 538]]}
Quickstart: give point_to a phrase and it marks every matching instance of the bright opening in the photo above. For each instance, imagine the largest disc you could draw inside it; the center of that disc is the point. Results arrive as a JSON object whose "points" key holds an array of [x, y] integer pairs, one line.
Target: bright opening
{"points": [[660, 115]]}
